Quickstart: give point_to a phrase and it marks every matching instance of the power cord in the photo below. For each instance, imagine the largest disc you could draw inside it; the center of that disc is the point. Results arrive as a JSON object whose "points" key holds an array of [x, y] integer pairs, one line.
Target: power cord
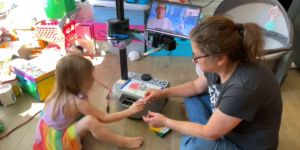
{"points": [[19, 126], [108, 95], [208, 4], [204, 6], [103, 32], [107, 110]]}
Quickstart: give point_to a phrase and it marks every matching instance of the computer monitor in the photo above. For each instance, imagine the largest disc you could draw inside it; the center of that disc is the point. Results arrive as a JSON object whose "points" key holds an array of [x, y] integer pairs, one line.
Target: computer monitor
{"points": [[173, 19]]}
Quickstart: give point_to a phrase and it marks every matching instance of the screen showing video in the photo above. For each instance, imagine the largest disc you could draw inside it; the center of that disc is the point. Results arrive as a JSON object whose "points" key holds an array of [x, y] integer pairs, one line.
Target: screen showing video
{"points": [[173, 19]]}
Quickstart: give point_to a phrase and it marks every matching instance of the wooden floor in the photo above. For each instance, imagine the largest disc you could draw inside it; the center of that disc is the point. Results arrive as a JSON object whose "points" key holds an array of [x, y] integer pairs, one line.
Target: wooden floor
{"points": [[177, 71]]}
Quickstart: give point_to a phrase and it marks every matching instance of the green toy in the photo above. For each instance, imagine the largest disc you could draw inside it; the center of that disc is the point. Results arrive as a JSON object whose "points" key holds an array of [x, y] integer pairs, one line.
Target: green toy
{"points": [[56, 9], [1, 128]]}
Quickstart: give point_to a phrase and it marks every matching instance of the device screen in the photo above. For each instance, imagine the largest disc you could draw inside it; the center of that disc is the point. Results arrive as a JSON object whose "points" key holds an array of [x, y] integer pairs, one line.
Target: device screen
{"points": [[173, 19]]}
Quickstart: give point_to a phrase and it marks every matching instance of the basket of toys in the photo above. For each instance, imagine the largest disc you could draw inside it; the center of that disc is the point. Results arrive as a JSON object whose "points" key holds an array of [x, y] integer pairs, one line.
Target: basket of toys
{"points": [[58, 32], [48, 30]]}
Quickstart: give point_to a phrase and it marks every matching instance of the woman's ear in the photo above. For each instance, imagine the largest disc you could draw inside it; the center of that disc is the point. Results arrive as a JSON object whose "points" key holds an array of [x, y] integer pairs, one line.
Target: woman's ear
{"points": [[222, 60]]}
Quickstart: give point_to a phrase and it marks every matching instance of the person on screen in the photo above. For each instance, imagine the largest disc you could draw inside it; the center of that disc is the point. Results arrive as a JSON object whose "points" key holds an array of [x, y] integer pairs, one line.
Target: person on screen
{"points": [[160, 21]]}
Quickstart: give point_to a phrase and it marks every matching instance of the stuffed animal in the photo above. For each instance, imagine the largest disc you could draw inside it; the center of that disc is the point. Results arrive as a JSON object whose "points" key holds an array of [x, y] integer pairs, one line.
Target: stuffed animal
{"points": [[134, 55]]}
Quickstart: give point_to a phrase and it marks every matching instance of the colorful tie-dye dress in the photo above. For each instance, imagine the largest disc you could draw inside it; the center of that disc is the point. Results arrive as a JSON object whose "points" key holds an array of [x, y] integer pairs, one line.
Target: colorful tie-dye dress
{"points": [[59, 134]]}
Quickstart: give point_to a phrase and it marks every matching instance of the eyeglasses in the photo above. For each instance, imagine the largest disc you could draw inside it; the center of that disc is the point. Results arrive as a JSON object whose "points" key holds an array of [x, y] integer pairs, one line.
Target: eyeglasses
{"points": [[196, 59], [161, 8]]}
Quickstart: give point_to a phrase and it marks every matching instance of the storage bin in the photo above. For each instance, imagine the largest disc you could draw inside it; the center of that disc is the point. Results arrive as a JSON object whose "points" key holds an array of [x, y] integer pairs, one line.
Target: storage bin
{"points": [[39, 89], [12, 80], [36, 76], [7, 96]]}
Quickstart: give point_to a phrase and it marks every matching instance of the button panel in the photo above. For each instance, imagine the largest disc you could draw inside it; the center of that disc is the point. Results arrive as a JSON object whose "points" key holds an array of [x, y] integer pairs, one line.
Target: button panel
{"points": [[131, 74], [153, 81], [162, 82]]}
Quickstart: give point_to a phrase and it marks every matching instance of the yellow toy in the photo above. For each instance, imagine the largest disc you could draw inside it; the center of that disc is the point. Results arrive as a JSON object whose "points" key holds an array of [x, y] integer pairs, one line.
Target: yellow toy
{"points": [[4, 45], [161, 132]]}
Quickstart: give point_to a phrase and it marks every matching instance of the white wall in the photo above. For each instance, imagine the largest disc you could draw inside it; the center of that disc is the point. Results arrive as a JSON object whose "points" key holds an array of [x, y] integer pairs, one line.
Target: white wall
{"points": [[209, 10]]}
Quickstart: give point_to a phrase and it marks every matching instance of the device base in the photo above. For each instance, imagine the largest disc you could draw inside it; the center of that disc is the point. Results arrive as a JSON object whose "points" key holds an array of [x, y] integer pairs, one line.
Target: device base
{"points": [[124, 96]]}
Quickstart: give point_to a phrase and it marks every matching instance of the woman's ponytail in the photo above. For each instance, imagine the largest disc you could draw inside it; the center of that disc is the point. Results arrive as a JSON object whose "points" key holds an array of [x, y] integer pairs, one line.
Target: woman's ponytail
{"points": [[253, 42]]}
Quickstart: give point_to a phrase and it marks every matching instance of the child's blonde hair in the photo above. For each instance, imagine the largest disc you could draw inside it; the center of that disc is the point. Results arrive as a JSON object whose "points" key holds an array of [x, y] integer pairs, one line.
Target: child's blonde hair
{"points": [[72, 74]]}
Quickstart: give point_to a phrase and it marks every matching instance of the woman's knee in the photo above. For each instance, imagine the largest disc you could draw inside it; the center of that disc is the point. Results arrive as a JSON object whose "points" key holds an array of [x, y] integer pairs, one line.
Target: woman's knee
{"points": [[198, 105], [201, 97], [188, 143]]}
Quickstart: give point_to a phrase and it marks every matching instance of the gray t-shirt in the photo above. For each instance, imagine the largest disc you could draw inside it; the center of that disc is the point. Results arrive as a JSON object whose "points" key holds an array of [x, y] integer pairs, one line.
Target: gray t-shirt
{"points": [[252, 94]]}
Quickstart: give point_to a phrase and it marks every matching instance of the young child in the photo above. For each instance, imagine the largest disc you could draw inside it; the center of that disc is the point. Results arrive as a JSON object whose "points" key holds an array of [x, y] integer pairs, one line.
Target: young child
{"points": [[59, 128]]}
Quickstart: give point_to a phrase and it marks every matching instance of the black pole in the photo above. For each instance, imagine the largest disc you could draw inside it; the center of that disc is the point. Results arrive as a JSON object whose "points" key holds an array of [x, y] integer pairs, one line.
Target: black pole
{"points": [[123, 63], [123, 52], [120, 9]]}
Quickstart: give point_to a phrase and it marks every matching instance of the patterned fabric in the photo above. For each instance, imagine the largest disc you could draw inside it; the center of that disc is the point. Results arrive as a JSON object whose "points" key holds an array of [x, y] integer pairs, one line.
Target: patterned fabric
{"points": [[57, 140]]}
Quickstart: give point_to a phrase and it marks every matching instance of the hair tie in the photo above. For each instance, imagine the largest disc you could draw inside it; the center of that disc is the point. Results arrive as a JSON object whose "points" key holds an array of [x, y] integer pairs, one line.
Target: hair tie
{"points": [[240, 27]]}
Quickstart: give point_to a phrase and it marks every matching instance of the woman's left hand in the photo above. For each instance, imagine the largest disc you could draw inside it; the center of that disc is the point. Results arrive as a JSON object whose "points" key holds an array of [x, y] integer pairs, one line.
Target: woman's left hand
{"points": [[155, 120]]}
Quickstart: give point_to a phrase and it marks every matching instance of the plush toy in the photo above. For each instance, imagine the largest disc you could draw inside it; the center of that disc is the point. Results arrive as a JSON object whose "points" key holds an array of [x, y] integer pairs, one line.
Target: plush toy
{"points": [[134, 55]]}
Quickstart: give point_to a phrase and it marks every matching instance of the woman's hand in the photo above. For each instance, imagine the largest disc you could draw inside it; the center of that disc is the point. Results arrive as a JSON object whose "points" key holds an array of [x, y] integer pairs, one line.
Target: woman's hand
{"points": [[153, 94], [137, 107], [155, 120]]}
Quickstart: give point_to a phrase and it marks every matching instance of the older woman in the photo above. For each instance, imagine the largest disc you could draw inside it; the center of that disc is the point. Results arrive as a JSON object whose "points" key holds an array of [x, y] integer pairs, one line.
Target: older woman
{"points": [[236, 103]]}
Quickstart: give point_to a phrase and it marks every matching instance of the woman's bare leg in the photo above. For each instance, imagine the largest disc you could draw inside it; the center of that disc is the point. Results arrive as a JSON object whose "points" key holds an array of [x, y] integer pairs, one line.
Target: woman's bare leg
{"points": [[98, 130]]}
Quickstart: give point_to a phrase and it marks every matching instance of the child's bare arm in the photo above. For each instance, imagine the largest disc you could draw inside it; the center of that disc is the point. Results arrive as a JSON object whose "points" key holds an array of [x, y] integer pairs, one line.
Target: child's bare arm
{"points": [[86, 108]]}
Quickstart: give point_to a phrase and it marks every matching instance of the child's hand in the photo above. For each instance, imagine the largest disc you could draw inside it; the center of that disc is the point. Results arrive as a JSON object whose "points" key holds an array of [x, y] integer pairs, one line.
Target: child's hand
{"points": [[137, 107]]}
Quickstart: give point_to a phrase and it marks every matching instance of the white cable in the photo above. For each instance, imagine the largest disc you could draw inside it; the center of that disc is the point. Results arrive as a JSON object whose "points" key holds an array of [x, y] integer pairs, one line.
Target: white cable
{"points": [[152, 51]]}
